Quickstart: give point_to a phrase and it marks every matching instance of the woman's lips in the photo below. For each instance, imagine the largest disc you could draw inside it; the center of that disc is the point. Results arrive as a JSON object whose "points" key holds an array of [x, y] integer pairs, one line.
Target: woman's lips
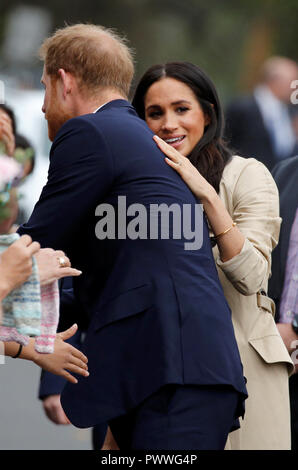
{"points": [[174, 141]]}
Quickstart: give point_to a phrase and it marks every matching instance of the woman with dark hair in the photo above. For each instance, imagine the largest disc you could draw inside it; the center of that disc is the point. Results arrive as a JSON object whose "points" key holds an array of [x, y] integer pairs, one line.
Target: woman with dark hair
{"points": [[210, 153], [181, 106]]}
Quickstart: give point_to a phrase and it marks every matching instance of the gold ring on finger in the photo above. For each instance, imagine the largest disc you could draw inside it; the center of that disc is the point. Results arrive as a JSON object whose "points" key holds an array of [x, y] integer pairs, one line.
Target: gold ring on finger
{"points": [[62, 261]]}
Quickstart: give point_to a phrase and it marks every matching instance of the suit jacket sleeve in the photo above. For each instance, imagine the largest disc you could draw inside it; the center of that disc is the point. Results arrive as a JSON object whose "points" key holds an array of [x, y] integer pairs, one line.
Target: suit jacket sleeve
{"points": [[80, 173], [255, 208]]}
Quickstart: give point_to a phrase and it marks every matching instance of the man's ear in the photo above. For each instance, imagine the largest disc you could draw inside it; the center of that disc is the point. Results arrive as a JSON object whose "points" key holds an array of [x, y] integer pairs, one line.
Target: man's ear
{"points": [[66, 81]]}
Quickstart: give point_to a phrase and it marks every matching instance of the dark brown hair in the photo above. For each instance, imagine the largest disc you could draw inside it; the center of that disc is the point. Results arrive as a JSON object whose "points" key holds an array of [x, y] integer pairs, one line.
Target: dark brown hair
{"points": [[210, 154]]}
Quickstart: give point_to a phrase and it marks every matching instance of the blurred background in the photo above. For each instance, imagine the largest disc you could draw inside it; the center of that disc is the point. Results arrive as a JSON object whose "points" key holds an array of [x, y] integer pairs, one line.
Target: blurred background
{"points": [[229, 39]]}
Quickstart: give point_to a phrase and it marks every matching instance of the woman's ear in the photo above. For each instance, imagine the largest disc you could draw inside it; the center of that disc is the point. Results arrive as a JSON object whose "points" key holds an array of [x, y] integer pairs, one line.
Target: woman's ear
{"points": [[207, 119], [207, 115]]}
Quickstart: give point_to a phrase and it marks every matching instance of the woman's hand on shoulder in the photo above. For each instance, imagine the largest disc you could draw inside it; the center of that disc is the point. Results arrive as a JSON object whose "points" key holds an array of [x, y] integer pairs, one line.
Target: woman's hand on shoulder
{"points": [[188, 172]]}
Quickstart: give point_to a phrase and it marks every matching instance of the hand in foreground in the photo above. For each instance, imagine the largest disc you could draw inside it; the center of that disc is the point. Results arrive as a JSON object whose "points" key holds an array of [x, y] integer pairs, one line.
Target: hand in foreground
{"points": [[188, 172], [49, 267], [53, 409], [16, 264], [64, 359], [6, 133]]}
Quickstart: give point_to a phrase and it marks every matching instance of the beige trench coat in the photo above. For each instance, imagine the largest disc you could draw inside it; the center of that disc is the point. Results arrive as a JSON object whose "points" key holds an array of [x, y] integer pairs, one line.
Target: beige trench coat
{"points": [[251, 198]]}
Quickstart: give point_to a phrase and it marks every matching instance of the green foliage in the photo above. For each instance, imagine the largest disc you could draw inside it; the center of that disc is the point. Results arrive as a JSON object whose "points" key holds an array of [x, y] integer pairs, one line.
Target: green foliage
{"points": [[216, 34]]}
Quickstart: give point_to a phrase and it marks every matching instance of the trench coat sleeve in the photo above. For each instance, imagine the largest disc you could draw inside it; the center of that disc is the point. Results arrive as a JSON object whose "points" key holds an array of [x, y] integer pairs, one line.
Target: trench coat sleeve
{"points": [[255, 208]]}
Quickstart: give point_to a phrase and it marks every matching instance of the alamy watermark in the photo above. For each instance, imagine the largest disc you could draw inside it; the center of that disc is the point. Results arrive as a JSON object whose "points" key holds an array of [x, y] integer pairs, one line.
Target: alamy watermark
{"points": [[156, 221]]}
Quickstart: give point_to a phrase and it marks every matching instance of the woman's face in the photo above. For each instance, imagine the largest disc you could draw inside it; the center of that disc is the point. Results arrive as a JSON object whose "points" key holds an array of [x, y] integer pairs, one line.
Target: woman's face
{"points": [[173, 112]]}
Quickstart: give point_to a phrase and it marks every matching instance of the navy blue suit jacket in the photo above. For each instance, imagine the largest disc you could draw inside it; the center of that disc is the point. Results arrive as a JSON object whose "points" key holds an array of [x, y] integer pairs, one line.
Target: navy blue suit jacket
{"points": [[247, 133], [156, 312]]}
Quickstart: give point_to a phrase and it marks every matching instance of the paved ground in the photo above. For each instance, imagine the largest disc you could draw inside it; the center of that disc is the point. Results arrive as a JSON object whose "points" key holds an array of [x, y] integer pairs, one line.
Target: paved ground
{"points": [[24, 425]]}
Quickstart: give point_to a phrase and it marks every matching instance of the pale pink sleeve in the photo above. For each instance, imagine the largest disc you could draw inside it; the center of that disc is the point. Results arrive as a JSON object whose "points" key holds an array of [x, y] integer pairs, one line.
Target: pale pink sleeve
{"points": [[8, 333], [50, 318]]}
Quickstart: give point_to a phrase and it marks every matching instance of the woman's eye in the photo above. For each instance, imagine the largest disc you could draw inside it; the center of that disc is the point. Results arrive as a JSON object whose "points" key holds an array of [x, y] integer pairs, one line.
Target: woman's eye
{"points": [[154, 114], [182, 109]]}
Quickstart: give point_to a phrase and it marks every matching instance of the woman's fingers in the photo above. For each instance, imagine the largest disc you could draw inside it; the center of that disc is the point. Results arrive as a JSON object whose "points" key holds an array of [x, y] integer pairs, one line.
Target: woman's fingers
{"points": [[77, 369], [69, 332], [64, 335], [75, 366], [65, 272], [33, 248], [61, 254], [177, 166], [70, 378], [77, 362], [25, 240], [172, 153], [65, 359], [79, 355]]}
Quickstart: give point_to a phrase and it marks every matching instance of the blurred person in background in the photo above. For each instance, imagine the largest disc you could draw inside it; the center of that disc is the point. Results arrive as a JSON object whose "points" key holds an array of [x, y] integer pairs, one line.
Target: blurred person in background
{"points": [[11, 211], [21, 149], [8, 193], [25, 155], [283, 285], [16, 262], [259, 125], [7, 129], [294, 119]]}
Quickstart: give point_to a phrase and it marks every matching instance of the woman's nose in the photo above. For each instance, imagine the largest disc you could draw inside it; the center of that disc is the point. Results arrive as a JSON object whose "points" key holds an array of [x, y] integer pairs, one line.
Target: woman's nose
{"points": [[169, 123]]}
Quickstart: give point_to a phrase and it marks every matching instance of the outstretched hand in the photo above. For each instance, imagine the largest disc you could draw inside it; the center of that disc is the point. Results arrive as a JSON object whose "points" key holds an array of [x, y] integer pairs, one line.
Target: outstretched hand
{"points": [[65, 358]]}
